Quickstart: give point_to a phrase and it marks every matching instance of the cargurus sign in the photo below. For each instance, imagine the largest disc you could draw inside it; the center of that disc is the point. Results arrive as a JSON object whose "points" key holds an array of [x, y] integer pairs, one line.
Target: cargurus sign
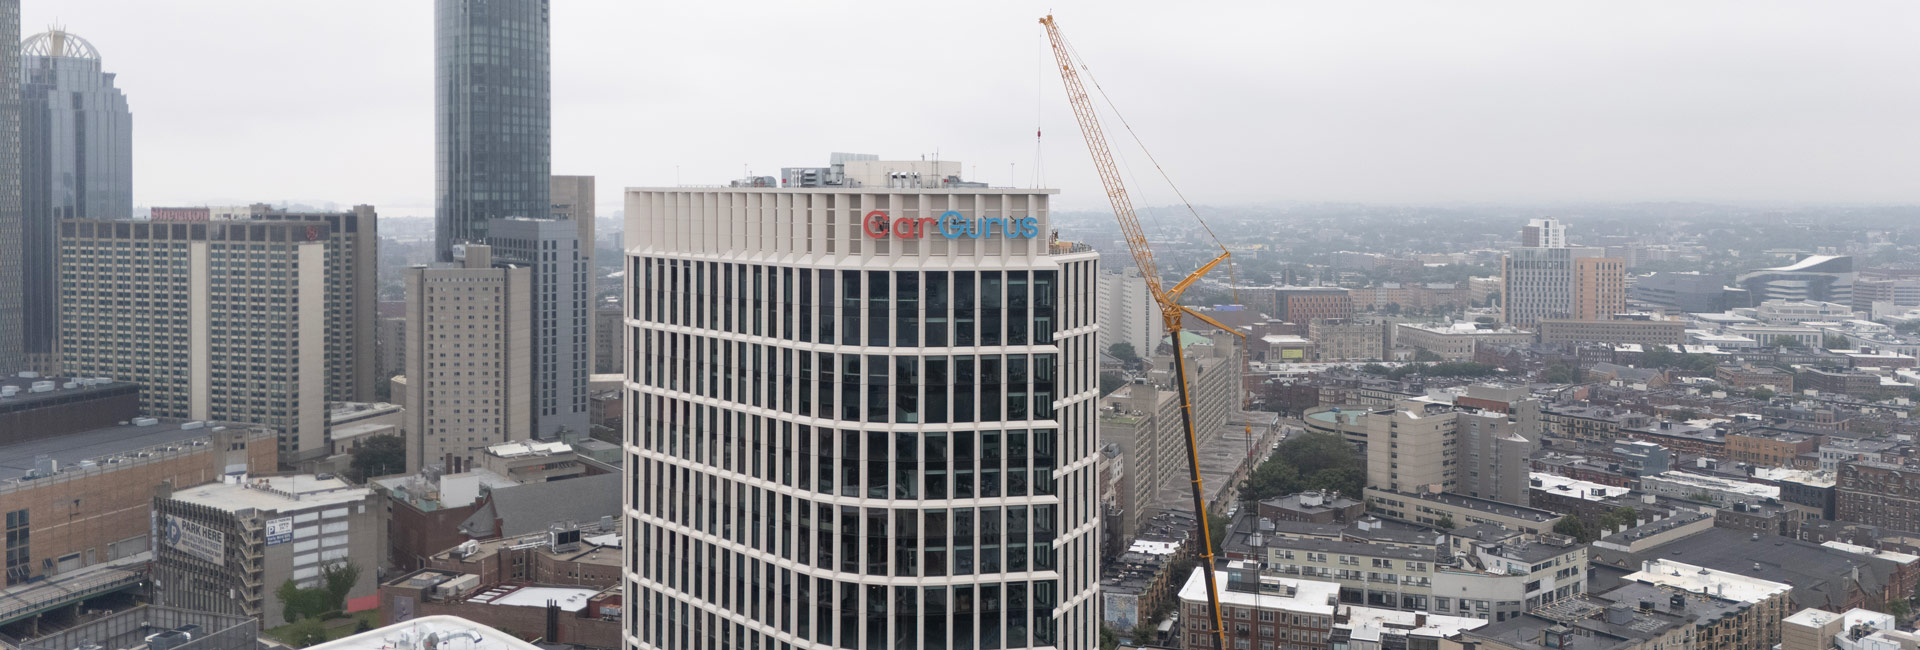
{"points": [[951, 225]]}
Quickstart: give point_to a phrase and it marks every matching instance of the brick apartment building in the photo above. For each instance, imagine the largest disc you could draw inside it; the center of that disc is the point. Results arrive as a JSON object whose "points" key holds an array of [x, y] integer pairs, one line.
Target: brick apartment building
{"points": [[1879, 494]]}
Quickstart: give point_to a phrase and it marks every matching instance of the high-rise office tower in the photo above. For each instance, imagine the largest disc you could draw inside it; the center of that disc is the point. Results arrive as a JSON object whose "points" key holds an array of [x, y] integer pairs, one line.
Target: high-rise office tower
{"points": [[572, 198], [353, 252], [862, 417], [469, 345], [492, 136], [12, 251], [1553, 280], [76, 142], [562, 342], [223, 320]]}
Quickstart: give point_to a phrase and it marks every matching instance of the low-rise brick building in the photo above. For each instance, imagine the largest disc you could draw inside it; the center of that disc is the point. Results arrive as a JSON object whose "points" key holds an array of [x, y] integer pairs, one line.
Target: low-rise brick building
{"points": [[1879, 494]]}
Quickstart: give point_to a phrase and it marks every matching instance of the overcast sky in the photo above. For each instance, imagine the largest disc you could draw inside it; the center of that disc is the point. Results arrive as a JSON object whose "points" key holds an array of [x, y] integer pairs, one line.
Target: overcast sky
{"points": [[245, 100]]}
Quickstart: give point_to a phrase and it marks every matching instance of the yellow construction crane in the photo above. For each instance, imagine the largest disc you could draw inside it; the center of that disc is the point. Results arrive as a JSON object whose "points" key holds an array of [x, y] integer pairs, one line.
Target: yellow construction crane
{"points": [[1171, 312]]}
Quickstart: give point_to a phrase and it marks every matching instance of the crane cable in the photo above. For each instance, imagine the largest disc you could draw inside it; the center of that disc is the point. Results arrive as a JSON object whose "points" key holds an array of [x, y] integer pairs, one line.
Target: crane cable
{"points": [[1233, 277]]}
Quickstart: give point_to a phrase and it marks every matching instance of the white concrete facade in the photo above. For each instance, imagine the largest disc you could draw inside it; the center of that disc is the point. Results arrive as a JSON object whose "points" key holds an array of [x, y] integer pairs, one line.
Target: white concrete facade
{"points": [[1128, 313], [847, 429]]}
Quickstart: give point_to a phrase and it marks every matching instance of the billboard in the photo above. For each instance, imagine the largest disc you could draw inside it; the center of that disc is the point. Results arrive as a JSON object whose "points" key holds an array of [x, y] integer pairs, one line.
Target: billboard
{"points": [[196, 540], [279, 531], [1122, 610]]}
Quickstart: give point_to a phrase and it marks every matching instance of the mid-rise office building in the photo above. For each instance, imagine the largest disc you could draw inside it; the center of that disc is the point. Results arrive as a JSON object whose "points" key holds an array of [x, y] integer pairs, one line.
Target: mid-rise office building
{"points": [[1599, 287], [469, 347], [1348, 339], [1456, 341], [1302, 305], [561, 355], [226, 547], [1478, 448], [861, 417], [76, 144], [1827, 278], [1636, 330], [1547, 278], [12, 228], [222, 320], [1128, 313], [1899, 291], [1541, 283], [1691, 293], [492, 104]]}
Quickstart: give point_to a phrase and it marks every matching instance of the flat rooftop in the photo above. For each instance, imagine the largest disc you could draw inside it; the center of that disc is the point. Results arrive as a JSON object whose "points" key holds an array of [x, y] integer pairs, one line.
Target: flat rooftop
{"points": [[1561, 485], [273, 493], [82, 386], [569, 599], [345, 412], [1369, 623], [1310, 596], [413, 634], [1701, 580], [97, 444], [1477, 504], [588, 553]]}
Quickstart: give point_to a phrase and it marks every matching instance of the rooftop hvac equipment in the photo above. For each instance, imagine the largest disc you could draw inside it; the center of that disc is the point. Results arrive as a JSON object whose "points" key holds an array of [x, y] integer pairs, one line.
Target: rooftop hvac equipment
{"points": [[564, 538]]}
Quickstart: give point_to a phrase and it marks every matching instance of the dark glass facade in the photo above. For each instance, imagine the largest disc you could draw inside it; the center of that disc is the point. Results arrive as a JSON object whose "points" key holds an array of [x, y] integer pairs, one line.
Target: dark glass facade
{"points": [[890, 446], [492, 135], [76, 138], [12, 300]]}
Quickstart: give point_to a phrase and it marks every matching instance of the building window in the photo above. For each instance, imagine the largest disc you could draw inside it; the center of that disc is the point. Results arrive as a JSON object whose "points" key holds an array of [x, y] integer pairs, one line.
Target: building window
{"points": [[19, 557]]}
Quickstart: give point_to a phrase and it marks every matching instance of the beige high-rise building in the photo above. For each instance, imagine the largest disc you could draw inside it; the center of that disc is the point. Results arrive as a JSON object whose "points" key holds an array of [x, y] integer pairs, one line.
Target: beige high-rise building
{"points": [[353, 251], [1143, 419], [1546, 278], [216, 321], [1599, 287], [1477, 446], [469, 345]]}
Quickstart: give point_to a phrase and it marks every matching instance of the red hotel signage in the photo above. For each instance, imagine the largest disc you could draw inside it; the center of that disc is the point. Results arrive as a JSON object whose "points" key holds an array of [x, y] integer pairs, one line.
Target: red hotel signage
{"points": [[181, 214]]}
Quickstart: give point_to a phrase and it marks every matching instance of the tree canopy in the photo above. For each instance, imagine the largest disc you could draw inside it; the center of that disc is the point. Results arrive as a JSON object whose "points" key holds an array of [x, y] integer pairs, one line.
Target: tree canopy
{"points": [[1307, 461], [380, 456]]}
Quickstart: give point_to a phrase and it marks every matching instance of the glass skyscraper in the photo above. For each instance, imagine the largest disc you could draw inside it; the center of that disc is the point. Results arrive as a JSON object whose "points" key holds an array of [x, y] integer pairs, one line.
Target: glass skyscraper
{"points": [[492, 136], [12, 300], [76, 138]]}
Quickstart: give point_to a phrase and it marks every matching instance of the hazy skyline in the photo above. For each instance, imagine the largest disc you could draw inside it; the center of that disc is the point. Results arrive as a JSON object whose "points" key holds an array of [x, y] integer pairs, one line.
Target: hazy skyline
{"points": [[1385, 102]]}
